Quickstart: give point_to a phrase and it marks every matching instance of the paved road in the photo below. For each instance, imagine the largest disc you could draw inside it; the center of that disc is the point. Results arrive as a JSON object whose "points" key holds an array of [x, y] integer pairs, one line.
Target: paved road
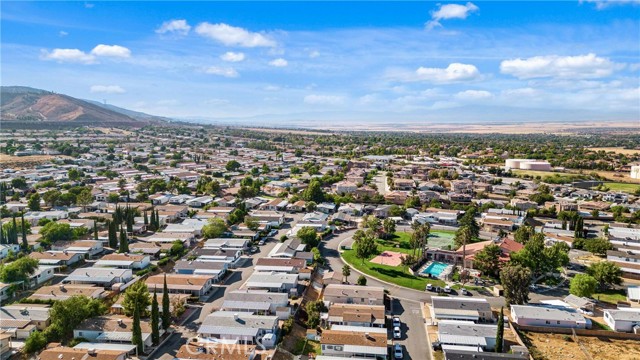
{"points": [[233, 281]]}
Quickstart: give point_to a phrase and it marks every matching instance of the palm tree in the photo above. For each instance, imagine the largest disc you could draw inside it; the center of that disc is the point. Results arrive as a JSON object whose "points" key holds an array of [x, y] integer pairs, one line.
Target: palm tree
{"points": [[346, 271]]}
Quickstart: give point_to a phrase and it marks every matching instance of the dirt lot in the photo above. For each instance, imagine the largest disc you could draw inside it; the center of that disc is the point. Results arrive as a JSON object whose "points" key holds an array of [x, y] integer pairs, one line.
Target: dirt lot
{"points": [[10, 161], [616, 150], [557, 347]]}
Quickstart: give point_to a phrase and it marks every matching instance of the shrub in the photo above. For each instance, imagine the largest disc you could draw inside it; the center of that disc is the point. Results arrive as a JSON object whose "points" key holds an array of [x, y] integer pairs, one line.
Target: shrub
{"points": [[362, 280]]}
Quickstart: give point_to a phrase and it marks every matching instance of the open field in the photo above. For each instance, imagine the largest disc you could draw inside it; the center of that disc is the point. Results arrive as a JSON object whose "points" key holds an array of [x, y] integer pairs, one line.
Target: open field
{"points": [[630, 188], [616, 150], [291, 131], [9, 161], [572, 175], [561, 347]]}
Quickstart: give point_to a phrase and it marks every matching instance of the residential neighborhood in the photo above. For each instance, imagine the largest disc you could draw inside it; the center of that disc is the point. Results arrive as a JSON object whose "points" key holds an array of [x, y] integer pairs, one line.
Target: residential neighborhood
{"points": [[157, 244]]}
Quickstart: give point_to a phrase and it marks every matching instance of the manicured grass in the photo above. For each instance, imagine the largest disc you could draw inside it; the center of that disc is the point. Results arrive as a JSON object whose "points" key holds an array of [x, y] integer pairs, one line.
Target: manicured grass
{"points": [[630, 188], [395, 275], [610, 296]]}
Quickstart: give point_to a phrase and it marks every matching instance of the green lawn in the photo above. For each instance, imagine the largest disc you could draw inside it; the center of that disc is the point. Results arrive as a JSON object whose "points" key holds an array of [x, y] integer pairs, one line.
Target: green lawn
{"points": [[304, 347], [610, 296], [615, 186], [395, 275]]}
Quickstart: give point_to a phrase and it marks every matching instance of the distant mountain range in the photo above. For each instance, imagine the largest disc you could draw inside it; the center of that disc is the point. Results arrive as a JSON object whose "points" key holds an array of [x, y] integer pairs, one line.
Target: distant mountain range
{"points": [[31, 106]]}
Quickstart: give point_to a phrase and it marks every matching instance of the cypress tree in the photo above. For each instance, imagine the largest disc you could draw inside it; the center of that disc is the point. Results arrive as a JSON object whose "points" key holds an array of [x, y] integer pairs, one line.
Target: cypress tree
{"points": [[157, 219], [95, 230], [124, 242], [166, 312], [500, 333], [146, 218], [113, 236], [136, 331], [2, 240], [14, 231], [155, 319], [25, 244]]}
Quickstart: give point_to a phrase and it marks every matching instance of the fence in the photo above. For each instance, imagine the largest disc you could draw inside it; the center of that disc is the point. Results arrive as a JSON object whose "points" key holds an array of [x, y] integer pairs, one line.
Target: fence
{"points": [[579, 332]]}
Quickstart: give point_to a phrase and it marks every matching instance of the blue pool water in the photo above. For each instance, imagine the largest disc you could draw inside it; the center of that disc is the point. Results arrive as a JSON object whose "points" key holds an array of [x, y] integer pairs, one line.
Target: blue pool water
{"points": [[435, 268]]}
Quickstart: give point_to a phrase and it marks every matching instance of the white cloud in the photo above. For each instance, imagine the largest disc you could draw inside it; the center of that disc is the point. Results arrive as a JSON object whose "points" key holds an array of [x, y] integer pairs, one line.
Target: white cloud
{"points": [[89, 5], [222, 71], [473, 95], [62, 33], [455, 72], [314, 54], [272, 88], [554, 66], [107, 89], [280, 62], [603, 4], [450, 11], [176, 26], [69, 55], [111, 51], [231, 56], [233, 36], [217, 102], [323, 99]]}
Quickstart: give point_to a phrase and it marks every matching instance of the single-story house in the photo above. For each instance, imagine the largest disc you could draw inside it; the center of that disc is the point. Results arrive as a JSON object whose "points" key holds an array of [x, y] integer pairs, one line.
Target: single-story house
{"points": [[354, 294], [196, 285], [354, 344], [460, 308], [124, 261], [355, 315], [241, 327], [104, 277], [258, 302], [272, 282], [551, 316], [625, 320]]}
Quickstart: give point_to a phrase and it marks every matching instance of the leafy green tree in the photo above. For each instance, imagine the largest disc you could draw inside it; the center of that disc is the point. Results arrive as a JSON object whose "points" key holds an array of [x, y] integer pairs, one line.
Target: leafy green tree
{"points": [[463, 236], [136, 295], [84, 198], [362, 280], [232, 165], [598, 246], [389, 227], [66, 315], [606, 273], [515, 280], [346, 271], [252, 223], [540, 259], [313, 192], [500, 332], [487, 260], [308, 236], [34, 202], [35, 342], [583, 285], [469, 220], [214, 228], [51, 197], [55, 231], [364, 244], [18, 270], [523, 234]]}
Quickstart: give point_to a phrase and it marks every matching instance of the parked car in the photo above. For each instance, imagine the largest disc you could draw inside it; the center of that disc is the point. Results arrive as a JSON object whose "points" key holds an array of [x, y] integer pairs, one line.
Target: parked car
{"points": [[585, 311], [436, 345], [447, 289], [397, 333], [262, 242], [464, 291], [273, 233], [429, 287], [396, 322], [397, 351], [254, 250]]}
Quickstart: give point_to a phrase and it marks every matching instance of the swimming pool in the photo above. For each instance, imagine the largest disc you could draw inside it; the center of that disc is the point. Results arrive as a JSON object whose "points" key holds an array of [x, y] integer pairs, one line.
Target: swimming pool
{"points": [[435, 268]]}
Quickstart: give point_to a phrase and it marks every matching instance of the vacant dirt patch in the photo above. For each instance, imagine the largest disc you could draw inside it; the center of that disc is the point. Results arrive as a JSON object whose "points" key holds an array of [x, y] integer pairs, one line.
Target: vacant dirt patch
{"points": [[9, 161], [616, 150], [560, 347]]}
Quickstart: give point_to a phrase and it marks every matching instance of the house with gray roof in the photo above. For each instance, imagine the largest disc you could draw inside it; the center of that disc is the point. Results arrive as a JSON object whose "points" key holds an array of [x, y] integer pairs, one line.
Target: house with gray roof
{"points": [[460, 308], [550, 316], [468, 334], [212, 268], [241, 327], [625, 320], [272, 282], [104, 277], [259, 302]]}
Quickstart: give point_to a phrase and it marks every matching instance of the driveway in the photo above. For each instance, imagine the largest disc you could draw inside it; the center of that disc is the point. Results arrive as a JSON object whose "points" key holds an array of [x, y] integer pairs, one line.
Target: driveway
{"points": [[413, 329]]}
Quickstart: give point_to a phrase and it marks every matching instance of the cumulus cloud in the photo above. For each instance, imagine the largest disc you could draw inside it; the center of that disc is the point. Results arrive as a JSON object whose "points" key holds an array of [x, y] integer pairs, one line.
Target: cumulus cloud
{"points": [[473, 95], [62, 33], [280, 62], [107, 89], [111, 51], [455, 72], [69, 55], [450, 11], [233, 36], [176, 26], [323, 99], [554, 66], [314, 54], [231, 56], [222, 71]]}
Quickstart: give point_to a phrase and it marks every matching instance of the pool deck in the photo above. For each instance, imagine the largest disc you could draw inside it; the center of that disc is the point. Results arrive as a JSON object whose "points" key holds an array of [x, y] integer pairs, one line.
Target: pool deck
{"points": [[442, 276]]}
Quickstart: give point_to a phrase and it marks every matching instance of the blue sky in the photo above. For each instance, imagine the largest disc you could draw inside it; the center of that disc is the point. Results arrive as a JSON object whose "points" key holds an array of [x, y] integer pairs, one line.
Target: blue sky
{"points": [[337, 61]]}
